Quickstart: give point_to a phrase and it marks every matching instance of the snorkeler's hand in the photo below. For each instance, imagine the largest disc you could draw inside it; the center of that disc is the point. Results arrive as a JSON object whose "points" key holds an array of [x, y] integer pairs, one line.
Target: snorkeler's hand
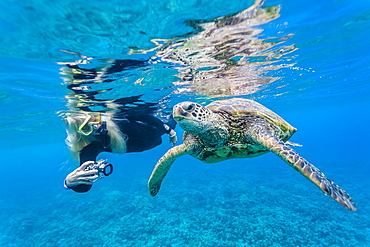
{"points": [[80, 176], [173, 137]]}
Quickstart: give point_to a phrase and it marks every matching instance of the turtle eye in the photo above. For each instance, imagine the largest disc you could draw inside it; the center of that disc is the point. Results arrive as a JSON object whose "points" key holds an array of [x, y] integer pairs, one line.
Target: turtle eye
{"points": [[189, 107]]}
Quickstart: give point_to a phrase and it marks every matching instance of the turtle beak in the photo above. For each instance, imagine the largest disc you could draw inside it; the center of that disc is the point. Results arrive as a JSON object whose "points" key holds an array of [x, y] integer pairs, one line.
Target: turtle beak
{"points": [[182, 110], [178, 113]]}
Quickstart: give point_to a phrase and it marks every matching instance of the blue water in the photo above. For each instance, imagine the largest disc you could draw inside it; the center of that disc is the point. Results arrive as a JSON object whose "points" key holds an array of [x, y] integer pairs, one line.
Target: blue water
{"points": [[310, 65]]}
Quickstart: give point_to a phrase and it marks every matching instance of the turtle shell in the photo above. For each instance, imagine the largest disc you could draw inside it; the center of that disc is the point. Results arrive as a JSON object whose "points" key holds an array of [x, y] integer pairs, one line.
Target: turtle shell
{"points": [[239, 107]]}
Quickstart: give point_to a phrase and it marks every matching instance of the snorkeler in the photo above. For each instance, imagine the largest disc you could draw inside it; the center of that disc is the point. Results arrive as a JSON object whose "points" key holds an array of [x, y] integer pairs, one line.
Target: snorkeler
{"points": [[126, 130]]}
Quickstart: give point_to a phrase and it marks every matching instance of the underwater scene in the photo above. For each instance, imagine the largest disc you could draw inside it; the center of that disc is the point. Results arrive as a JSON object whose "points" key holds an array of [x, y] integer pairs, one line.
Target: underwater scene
{"points": [[264, 121]]}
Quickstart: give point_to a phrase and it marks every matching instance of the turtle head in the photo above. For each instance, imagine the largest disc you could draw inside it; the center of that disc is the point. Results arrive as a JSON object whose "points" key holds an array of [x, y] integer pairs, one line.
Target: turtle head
{"points": [[200, 121]]}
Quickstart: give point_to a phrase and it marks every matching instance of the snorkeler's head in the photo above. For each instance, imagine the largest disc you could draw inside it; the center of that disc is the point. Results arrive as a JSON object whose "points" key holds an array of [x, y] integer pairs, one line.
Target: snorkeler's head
{"points": [[86, 127]]}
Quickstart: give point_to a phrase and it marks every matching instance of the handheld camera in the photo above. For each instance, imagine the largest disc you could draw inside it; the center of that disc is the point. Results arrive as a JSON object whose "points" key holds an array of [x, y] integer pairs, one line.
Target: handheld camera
{"points": [[104, 168]]}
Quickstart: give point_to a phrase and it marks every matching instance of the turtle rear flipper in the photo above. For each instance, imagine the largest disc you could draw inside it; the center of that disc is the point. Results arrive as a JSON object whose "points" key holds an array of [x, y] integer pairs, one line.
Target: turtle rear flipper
{"points": [[308, 170], [163, 166]]}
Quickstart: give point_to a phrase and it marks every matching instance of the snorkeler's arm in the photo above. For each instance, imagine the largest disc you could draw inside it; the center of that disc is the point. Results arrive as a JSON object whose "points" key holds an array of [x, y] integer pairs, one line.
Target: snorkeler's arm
{"points": [[164, 127], [152, 120], [167, 127], [80, 179]]}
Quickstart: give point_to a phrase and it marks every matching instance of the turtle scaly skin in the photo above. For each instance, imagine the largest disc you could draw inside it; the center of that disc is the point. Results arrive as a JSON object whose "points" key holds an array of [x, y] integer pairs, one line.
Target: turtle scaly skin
{"points": [[238, 128]]}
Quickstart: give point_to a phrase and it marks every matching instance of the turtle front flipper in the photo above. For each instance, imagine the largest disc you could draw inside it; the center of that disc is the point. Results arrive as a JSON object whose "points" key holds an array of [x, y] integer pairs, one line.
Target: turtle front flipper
{"points": [[163, 166], [308, 170]]}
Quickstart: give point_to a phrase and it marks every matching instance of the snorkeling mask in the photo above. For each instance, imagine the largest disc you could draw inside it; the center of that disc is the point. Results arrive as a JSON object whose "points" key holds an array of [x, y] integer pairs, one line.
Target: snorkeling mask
{"points": [[91, 123]]}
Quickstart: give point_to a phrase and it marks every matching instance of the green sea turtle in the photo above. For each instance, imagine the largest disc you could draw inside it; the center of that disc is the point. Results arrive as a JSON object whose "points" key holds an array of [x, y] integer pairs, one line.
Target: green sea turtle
{"points": [[238, 128]]}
